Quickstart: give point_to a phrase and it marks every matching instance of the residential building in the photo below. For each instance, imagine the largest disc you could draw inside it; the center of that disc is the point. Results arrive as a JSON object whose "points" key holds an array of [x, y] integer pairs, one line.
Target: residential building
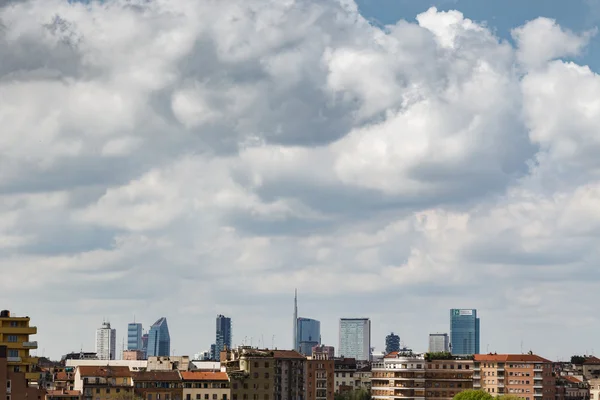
{"points": [[591, 368], [15, 334], [439, 343], [103, 382], [106, 342], [134, 336], [363, 377], [181, 363], [345, 370], [206, 366], [262, 374], [594, 388], [223, 334], [14, 385], [158, 385], [320, 382], [464, 332], [525, 375], [308, 335], [355, 338], [392, 343], [132, 365], [64, 380], [133, 355], [444, 378], [329, 351], [198, 385], [159, 340], [63, 394], [571, 388]]}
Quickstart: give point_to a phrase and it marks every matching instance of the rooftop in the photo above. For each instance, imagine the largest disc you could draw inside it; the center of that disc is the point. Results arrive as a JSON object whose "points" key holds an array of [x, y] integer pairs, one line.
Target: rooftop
{"points": [[511, 357], [288, 354], [105, 371], [592, 361], [156, 376], [63, 393], [204, 376]]}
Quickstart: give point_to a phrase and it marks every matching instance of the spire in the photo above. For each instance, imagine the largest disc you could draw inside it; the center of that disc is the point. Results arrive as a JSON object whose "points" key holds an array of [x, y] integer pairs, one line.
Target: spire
{"points": [[295, 346]]}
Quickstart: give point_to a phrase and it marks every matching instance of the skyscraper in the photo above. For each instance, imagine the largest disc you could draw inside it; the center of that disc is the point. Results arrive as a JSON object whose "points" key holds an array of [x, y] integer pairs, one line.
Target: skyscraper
{"points": [[308, 335], [295, 334], [464, 331], [439, 343], [106, 342], [145, 345], [134, 336], [355, 338], [159, 341], [392, 343], [223, 337]]}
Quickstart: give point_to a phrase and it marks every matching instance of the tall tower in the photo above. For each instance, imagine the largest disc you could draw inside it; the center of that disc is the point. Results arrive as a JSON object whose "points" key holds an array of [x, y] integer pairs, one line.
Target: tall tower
{"points": [[295, 343], [464, 331], [106, 342], [223, 335]]}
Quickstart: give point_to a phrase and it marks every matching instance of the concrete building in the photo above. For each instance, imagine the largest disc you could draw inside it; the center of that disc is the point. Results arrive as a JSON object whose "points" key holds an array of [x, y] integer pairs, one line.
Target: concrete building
{"points": [[591, 368], [345, 370], [134, 336], [103, 382], [159, 339], [571, 388], [106, 342], [594, 388], [355, 338], [439, 343], [392, 343], [464, 332], [158, 385], [223, 335], [525, 375], [320, 382], [206, 366], [133, 355], [15, 334], [265, 374], [181, 363], [199, 385], [329, 351], [132, 365], [14, 385]]}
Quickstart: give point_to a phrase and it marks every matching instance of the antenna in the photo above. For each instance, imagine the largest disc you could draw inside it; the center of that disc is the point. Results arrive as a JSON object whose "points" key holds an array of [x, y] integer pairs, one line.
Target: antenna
{"points": [[273, 342], [521, 346]]}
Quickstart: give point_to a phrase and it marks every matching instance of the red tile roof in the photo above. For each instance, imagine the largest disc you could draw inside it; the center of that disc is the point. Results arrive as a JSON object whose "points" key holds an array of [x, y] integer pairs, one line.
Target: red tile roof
{"points": [[393, 354], [63, 393], [592, 360], [62, 376], [204, 376], [511, 357], [156, 376], [105, 372], [571, 379], [288, 354]]}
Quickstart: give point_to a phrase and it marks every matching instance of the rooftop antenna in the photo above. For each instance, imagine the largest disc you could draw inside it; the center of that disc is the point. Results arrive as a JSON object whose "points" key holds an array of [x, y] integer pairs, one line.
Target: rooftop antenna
{"points": [[273, 342], [522, 346]]}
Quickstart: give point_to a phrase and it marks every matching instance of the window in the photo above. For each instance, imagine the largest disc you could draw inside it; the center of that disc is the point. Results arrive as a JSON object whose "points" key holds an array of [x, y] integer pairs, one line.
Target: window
{"points": [[214, 396], [97, 391], [12, 338], [149, 397], [267, 364], [266, 375], [224, 396], [256, 364], [167, 396], [13, 323], [266, 397], [198, 397], [255, 375], [8, 397], [8, 386], [118, 390], [13, 353], [206, 396], [108, 391]]}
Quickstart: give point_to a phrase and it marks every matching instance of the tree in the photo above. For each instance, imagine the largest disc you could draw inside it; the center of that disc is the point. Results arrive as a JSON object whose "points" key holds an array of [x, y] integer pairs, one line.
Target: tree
{"points": [[359, 394], [577, 360], [473, 395], [509, 397]]}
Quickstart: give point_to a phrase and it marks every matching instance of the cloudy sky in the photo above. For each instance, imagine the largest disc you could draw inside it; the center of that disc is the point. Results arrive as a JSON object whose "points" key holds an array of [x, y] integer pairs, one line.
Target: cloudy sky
{"points": [[388, 158]]}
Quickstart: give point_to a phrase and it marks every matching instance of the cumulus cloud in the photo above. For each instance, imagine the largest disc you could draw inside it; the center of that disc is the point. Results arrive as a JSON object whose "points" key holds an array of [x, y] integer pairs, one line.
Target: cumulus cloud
{"points": [[187, 158]]}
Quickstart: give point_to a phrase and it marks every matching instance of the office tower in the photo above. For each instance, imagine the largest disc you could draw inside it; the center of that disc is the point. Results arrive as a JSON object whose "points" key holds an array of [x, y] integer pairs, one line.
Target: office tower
{"points": [[14, 334], [145, 345], [134, 336], [106, 342], [464, 331], [308, 335], [392, 343], [223, 337], [159, 341], [439, 343], [355, 338]]}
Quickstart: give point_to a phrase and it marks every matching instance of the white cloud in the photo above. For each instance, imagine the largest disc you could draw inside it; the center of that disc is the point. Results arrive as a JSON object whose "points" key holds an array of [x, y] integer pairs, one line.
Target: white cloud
{"points": [[228, 153]]}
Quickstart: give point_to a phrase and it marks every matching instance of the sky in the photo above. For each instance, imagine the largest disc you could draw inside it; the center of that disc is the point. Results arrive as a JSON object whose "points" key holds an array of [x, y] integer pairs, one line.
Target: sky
{"points": [[390, 159]]}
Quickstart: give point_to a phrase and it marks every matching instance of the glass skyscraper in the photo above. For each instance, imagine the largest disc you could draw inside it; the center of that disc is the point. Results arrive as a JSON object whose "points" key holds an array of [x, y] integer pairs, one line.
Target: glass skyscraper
{"points": [[355, 338], [159, 341], [464, 331], [134, 336], [308, 335], [223, 337]]}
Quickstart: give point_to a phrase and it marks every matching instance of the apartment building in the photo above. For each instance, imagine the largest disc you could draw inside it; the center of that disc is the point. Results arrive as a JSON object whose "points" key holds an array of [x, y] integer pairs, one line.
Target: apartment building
{"points": [[158, 385], [263, 374], [445, 378], [591, 368], [62, 394], [14, 385], [15, 334], [569, 387], [594, 388], [320, 382], [525, 375], [200, 385], [345, 370], [103, 383]]}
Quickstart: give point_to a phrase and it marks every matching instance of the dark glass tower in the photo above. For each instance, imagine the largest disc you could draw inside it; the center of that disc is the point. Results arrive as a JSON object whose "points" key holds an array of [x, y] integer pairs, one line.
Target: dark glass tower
{"points": [[464, 331], [392, 343], [223, 337], [159, 341]]}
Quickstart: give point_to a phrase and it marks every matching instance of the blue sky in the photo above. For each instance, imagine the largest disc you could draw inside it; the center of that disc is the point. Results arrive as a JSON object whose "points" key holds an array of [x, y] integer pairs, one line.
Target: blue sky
{"points": [[500, 15]]}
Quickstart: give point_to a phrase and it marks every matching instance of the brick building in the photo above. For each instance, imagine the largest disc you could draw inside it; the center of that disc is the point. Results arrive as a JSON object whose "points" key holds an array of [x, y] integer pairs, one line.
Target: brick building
{"points": [[13, 385]]}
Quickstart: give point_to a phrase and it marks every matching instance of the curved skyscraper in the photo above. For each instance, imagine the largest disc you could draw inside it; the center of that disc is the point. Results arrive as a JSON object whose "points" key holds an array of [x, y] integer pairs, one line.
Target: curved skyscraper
{"points": [[308, 335], [159, 341]]}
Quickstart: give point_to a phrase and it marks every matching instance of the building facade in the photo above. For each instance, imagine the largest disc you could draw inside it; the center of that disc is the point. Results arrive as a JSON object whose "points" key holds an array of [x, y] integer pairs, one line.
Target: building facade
{"points": [[392, 343], [525, 375], [14, 385], [320, 382], [103, 382], [159, 340], [355, 338], [464, 331], [134, 336], [308, 335], [106, 342], [198, 385], [439, 343], [133, 355], [345, 371], [15, 334], [329, 351], [223, 335], [158, 385]]}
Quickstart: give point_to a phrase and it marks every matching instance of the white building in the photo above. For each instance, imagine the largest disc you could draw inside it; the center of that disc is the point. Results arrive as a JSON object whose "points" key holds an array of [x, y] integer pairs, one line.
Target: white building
{"points": [[438, 343], [355, 338], [133, 365], [106, 342]]}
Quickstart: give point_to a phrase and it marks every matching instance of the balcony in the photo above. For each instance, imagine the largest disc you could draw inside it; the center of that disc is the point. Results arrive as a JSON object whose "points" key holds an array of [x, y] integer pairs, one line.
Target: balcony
{"points": [[30, 345], [538, 385], [18, 330], [476, 375], [14, 359], [33, 376]]}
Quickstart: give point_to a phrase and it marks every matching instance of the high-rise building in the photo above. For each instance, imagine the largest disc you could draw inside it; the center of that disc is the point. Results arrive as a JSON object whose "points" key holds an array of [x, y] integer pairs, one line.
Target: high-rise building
{"points": [[439, 343], [159, 340], [295, 327], [355, 338], [106, 342], [223, 337], [392, 343], [134, 336], [14, 334], [145, 345], [464, 331], [308, 335]]}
